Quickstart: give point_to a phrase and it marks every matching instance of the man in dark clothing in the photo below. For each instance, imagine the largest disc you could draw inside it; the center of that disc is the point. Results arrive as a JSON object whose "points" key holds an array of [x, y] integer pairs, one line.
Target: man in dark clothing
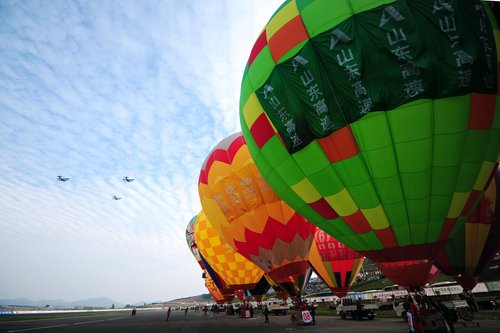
{"points": [[266, 314], [169, 310], [312, 310]]}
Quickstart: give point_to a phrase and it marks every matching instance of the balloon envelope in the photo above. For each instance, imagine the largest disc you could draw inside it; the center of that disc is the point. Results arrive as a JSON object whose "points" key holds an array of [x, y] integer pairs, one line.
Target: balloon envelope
{"points": [[213, 290], [336, 264], [409, 273], [192, 242], [359, 116], [237, 271], [475, 242], [250, 217]]}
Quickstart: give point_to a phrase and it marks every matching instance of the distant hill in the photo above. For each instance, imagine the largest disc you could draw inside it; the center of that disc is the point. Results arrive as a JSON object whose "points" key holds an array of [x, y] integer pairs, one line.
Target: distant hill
{"points": [[203, 298], [101, 302]]}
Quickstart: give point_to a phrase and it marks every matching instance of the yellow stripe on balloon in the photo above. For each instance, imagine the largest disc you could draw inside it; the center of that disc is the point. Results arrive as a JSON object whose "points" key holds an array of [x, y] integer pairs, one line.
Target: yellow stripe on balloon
{"points": [[282, 17], [475, 238], [342, 203], [496, 34], [483, 175], [306, 191], [252, 110], [376, 217], [317, 263], [457, 204]]}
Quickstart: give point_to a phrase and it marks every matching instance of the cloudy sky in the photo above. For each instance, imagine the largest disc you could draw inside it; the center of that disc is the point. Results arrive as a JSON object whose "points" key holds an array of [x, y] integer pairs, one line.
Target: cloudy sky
{"points": [[99, 90]]}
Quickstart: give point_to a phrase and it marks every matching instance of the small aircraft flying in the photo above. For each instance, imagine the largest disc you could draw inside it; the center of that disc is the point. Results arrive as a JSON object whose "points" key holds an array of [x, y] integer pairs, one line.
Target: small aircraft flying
{"points": [[62, 179], [128, 179], [117, 197]]}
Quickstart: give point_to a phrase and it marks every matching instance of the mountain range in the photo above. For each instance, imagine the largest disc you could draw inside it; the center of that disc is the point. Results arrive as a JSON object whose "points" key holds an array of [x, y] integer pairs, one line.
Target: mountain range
{"points": [[101, 302]]}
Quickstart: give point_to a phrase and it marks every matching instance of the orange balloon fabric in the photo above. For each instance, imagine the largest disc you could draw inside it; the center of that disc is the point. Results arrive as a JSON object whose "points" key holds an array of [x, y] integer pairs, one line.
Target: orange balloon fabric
{"points": [[251, 217], [237, 271]]}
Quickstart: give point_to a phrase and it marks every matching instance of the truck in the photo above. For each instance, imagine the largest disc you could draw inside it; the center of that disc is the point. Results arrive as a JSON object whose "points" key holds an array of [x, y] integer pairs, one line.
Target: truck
{"points": [[277, 307], [355, 309]]}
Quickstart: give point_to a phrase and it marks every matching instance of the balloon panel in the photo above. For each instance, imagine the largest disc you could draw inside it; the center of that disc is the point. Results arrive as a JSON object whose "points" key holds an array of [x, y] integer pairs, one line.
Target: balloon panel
{"points": [[383, 149]]}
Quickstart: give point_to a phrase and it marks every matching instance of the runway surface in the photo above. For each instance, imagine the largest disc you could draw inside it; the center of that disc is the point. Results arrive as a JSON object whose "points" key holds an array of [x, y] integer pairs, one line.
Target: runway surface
{"points": [[194, 322]]}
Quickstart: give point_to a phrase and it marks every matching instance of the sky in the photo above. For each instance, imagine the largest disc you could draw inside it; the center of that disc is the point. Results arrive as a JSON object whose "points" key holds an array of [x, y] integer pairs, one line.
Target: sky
{"points": [[99, 90]]}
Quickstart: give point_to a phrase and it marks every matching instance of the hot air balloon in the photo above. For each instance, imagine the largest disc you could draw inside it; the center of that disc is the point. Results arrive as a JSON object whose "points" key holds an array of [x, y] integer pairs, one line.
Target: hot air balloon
{"points": [[409, 273], [192, 242], [251, 218], [336, 264], [238, 272], [475, 242], [208, 271], [214, 290], [377, 121]]}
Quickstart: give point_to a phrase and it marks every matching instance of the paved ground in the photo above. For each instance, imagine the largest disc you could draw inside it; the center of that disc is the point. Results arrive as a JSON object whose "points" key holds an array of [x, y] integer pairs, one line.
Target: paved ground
{"points": [[195, 322]]}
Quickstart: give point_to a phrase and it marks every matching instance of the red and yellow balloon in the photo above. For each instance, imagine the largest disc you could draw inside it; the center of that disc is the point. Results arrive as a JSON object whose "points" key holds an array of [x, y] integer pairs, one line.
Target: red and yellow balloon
{"points": [[251, 217], [336, 264]]}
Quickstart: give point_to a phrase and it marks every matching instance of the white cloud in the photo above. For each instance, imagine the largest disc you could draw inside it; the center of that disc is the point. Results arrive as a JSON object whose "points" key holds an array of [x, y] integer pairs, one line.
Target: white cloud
{"points": [[96, 91]]}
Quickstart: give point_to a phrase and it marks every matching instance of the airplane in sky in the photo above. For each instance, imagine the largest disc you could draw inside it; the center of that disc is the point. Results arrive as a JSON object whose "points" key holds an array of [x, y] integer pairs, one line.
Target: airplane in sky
{"points": [[117, 197], [62, 179], [128, 179]]}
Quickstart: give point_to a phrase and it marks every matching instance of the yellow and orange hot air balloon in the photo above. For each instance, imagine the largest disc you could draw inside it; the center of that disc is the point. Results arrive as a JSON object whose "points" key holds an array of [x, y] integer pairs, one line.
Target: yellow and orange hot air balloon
{"points": [[208, 271], [336, 264], [238, 272], [214, 290], [251, 217]]}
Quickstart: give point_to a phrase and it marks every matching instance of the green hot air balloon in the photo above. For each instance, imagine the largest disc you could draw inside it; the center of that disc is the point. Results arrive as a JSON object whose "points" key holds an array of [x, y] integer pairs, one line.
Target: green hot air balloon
{"points": [[376, 120]]}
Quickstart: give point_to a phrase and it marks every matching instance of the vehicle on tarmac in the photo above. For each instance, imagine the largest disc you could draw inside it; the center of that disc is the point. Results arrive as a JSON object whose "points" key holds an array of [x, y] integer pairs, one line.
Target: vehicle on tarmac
{"points": [[278, 307], [356, 309]]}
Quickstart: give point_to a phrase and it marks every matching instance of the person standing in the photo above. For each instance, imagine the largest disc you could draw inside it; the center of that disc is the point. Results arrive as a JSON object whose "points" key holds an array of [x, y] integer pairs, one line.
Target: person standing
{"points": [[169, 310], [134, 311], [186, 311], [313, 312], [266, 314]]}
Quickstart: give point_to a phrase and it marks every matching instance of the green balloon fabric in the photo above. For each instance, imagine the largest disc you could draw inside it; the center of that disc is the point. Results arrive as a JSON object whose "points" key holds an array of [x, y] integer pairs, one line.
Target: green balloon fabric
{"points": [[376, 120]]}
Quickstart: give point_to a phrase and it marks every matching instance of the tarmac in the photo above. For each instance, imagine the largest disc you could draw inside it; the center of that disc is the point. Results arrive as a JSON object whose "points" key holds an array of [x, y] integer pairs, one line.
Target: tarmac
{"points": [[195, 321]]}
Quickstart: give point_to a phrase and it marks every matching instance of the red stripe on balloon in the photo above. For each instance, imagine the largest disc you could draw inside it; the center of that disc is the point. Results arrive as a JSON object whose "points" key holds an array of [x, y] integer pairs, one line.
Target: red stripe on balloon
{"points": [[339, 145], [358, 222], [471, 201], [482, 111], [221, 155], [261, 130], [323, 208], [260, 43], [288, 36], [447, 228], [387, 237]]}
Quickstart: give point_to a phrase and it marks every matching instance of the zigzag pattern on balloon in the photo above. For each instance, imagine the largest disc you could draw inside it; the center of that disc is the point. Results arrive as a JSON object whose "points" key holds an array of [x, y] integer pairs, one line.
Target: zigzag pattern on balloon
{"points": [[281, 254], [274, 231], [223, 155]]}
